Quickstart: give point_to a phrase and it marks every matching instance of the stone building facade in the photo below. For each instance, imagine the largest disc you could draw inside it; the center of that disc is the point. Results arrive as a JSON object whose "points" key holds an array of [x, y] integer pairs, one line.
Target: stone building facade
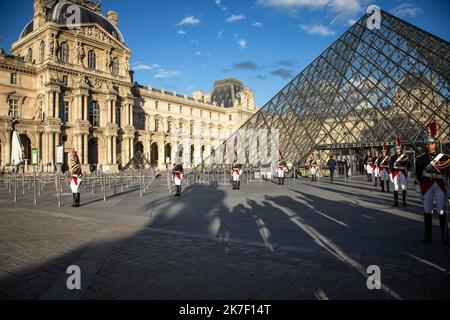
{"points": [[67, 82]]}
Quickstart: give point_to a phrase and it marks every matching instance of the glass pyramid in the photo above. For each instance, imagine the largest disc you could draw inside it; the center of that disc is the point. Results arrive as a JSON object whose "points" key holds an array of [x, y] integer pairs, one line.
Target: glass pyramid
{"points": [[369, 87]]}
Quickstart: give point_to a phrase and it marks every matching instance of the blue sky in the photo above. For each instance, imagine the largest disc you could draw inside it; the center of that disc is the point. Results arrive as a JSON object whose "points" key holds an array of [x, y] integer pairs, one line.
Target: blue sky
{"points": [[185, 45]]}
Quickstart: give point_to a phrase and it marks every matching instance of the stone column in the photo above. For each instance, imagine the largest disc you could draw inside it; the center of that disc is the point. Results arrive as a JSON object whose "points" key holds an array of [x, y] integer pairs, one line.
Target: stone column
{"points": [[131, 149], [113, 110], [85, 108], [57, 104], [106, 149], [85, 151], [108, 111], [52, 147], [161, 156], [80, 107], [114, 147], [49, 112], [7, 147]]}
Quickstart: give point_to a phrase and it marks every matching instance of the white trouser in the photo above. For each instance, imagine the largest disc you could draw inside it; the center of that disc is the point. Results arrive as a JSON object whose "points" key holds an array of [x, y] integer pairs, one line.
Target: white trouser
{"points": [[236, 176], [280, 173], [75, 187], [177, 180], [376, 172], [369, 169], [313, 170], [400, 181], [384, 175], [439, 197]]}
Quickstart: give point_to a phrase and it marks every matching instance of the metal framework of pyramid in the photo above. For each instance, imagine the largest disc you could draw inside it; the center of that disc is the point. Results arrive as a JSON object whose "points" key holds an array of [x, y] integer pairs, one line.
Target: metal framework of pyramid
{"points": [[369, 86]]}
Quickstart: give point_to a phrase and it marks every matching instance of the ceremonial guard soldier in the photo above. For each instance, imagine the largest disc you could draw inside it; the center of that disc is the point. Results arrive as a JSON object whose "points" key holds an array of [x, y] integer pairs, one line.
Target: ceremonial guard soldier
{"points": [[177, 173], [75, 179], [399, 166], [236, 172], [368, 166], [431, 170], [376, 167], [313, 165], [384, 169], [281, 168]]}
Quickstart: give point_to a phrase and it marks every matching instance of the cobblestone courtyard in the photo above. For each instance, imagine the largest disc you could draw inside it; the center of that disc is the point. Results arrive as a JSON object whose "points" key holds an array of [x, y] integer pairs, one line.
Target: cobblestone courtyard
{"points": [[302, 240]]}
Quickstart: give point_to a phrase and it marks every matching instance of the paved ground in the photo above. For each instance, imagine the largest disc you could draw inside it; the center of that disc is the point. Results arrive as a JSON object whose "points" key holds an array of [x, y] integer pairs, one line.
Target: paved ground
{"points": [[302, 240]]}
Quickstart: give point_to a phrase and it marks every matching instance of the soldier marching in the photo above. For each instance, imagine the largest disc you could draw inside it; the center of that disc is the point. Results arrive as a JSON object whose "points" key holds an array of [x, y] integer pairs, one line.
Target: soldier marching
{"points": [[432, 168], [236, 172], [177, 173], [368, 165], [376, 167], [313, 165], [281, 168], [399, 166], [384, 170]]}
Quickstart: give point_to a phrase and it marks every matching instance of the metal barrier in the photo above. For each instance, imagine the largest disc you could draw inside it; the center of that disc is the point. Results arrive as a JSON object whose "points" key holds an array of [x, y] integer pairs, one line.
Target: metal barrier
{"points": [[45, 186]]}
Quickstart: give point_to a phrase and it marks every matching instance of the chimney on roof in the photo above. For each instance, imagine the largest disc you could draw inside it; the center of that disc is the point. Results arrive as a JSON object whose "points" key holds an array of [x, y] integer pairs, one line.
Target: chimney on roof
{"points": [[113, 17], [39, 16]]}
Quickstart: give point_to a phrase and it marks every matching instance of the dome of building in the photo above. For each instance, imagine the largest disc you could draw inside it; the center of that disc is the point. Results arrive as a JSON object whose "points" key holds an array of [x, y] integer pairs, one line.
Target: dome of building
{"points": [[58, 14]]}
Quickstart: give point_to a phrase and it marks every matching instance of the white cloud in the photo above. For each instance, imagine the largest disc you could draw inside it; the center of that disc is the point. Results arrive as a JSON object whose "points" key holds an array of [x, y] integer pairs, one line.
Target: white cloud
{"points": [[196, 42], [198, 53], [220, 34], [317, 29], [257, 24], [146, 67], [189, 21], [343, 10], [235, 18], [163, 74], [406, 10], [242, 43], [292, 4], [220, 5], [181, 32]]}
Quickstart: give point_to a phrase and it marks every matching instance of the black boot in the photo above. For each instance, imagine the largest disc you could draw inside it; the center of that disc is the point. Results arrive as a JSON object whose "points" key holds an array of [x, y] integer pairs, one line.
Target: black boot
{"points": [[179, 191], [404, 198], [376, 181], [74, 196], [282, 181], [395, 199], [428, 221], [279, 181], [382, 185], [77, 200], [368, 178], [387, 186], [444, 228], [239, 184]]}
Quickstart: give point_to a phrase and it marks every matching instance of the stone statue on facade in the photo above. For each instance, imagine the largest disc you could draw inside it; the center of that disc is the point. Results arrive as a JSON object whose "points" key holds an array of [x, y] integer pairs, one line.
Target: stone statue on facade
{"points": [[81, 54]]}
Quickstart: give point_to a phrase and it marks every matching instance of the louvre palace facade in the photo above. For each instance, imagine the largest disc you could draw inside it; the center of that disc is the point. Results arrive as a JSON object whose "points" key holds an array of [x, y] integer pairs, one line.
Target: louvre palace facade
{"points": [[69, 83]]}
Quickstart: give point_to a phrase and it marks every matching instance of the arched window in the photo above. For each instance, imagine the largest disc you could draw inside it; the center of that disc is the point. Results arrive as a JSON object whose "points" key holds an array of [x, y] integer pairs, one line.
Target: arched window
{"points": [[64, 52], [115, 66], [42, 51], [91, 60]]}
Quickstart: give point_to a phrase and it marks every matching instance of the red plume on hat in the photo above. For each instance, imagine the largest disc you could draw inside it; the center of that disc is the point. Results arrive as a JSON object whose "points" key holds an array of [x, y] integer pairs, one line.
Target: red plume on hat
{"points": [[385, 147], [432, 129], [432, 133]]}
